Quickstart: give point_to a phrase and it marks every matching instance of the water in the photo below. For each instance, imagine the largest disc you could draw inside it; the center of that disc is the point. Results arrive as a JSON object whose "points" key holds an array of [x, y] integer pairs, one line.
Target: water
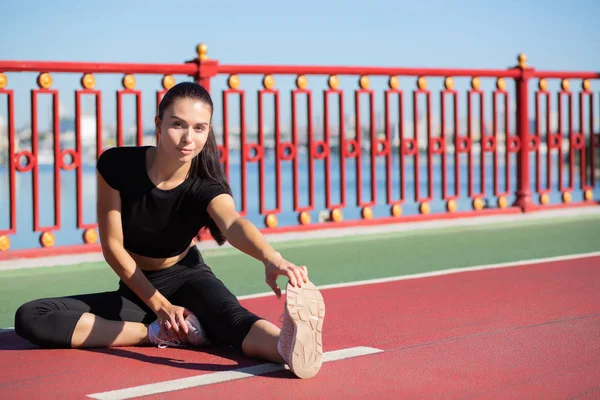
{"points": [[69, 234]]}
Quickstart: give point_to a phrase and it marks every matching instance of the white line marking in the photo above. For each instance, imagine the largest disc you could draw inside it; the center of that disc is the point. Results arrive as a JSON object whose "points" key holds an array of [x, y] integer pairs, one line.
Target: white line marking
{"points": [[440, 273], [223, 376], [2, 330], [426, 274]]}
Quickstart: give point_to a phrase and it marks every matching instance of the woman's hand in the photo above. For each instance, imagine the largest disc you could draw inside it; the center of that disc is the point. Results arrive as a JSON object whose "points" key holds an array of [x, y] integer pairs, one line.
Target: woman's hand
{"points": [[244, 236], [277, 265], [172, 318]]}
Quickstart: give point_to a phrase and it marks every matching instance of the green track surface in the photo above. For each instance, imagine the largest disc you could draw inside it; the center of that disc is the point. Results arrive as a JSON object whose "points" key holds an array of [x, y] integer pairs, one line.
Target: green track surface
{"points": [[337, 260]]}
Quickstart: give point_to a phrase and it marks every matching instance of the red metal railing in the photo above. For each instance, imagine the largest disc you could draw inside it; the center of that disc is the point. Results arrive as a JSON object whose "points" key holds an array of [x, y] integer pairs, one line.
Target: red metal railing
{"points": [[477, 145], [577, 142]]}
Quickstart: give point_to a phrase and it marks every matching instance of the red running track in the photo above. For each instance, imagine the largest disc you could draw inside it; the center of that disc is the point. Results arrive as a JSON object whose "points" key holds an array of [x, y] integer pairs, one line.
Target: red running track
{"points": [[520, 332]]}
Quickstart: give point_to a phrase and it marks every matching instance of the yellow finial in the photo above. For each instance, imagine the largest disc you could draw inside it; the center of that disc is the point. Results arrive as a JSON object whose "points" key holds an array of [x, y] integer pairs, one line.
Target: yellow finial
{"points": [[522, 61], [271, 220], [90, 236], [502, 202], [4, 243], [501, 84], [168, 82], [478, 203], [88, 81], [367, 213], [333, 82], [301, 82], [3, 80], [396, 210], [268, 82], [128, 82], [202, 51], [47, 239], [304, 218], [586, 85], [233, 82], [363, 82], [336, 215], [44, 80], [451, 205]]}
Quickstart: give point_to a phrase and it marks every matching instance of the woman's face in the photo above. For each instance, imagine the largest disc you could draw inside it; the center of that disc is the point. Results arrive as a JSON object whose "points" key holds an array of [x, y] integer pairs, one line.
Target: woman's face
{"points": [[184, 128]]}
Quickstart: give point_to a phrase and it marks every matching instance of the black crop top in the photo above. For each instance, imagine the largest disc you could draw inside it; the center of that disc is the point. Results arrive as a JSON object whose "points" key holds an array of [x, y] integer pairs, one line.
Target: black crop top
{"points": [[156, 223]]}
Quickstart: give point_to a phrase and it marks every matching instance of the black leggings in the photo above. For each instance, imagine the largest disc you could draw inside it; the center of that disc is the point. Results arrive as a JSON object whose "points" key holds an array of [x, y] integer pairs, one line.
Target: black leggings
{"points": [[190, 283]]}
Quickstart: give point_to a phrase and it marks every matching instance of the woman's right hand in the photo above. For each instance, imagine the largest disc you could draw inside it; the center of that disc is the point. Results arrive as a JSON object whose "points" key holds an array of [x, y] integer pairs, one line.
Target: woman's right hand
{"points": [[172, 318]]}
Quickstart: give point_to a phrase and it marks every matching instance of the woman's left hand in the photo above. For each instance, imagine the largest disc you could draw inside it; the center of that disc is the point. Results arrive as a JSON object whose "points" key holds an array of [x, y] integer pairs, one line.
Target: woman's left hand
{"points": [[280, 266]]}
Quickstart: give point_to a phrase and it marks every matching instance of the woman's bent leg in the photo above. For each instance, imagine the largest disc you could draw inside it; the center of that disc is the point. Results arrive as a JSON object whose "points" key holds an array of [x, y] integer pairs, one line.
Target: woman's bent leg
{"points": [[93, 320], [223, 319], [93, 331]]}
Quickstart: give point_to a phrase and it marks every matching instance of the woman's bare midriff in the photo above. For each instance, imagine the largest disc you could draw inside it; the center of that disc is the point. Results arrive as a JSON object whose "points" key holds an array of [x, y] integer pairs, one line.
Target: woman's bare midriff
{"points": [[155, 264]]}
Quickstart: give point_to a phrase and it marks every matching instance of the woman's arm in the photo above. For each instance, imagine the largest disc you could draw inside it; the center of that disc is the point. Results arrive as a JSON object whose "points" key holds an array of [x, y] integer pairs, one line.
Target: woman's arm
{"points": [[111, 239], [244, 236]]}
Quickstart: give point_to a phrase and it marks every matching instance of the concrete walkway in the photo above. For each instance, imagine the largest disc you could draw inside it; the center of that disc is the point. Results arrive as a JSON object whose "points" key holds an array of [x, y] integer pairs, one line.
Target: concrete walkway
{"points": [[330, 233]]}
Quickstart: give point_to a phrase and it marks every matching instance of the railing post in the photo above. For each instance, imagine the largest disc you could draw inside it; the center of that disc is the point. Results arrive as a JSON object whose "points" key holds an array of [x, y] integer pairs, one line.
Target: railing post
{"points": [[523, 194], [206, 68]]}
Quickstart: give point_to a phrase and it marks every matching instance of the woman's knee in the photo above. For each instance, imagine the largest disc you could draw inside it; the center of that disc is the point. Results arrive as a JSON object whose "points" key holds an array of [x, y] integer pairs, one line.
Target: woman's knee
{"points": [[26, 316], [33, 322]]}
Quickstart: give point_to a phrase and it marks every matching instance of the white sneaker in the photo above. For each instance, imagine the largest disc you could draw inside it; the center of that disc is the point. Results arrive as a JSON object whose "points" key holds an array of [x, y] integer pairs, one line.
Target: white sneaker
{"points": [[166, 340], [195, 337]]}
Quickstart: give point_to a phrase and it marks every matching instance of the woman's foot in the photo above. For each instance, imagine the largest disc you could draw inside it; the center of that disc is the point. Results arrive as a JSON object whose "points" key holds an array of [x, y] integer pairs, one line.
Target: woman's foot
{"points": [[300, 341], [195, 336]]}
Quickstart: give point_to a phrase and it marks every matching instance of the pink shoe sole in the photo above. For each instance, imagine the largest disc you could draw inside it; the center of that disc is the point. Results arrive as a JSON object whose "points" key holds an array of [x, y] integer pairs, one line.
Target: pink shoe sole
{"points": [[306, 309]]}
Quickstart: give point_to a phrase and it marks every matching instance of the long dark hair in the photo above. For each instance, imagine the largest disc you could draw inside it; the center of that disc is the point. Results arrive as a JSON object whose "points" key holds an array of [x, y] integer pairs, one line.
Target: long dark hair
{"points": [[206, 164]]}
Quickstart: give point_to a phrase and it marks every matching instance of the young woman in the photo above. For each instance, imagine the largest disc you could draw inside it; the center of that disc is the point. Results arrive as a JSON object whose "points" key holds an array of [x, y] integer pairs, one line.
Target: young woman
{"points": [[152, 202]]}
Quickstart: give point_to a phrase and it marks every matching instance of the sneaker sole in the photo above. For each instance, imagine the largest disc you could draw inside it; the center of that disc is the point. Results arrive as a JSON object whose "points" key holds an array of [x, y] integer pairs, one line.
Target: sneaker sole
{"points": [[306, 309]]}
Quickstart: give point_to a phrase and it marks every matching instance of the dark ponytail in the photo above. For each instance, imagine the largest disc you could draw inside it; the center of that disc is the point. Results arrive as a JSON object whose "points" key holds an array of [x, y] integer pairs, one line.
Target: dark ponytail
{"points": [[206, 165]]}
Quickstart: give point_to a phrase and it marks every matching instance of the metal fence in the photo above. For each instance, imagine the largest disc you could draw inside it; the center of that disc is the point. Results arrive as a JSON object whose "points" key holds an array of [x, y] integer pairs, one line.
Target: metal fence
{"points": [[362, 149]]}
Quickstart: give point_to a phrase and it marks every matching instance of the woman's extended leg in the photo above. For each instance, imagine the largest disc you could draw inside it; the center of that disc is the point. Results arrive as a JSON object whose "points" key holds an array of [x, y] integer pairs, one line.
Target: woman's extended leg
{"points": [[92, 320], [261, 342], [299, 343], [226, 322]]}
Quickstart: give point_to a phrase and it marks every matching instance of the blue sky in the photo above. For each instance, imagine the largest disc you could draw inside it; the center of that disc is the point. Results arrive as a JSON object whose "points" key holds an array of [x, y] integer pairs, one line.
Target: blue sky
{"points": [[555, 34], [436, 33]]}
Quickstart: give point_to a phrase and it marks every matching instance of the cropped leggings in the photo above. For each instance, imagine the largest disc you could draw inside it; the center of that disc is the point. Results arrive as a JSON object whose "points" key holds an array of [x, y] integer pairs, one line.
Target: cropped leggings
{"points": [[190, 283]]}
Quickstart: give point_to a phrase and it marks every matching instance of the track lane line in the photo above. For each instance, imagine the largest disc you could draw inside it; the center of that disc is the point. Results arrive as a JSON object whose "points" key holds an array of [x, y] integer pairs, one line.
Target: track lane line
{"points": [[222, 376], [427, 274], [441, 272]]}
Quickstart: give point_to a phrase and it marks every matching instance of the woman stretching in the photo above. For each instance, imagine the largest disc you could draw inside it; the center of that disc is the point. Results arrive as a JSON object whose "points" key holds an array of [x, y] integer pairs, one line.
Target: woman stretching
{"points": [[152, 202]]}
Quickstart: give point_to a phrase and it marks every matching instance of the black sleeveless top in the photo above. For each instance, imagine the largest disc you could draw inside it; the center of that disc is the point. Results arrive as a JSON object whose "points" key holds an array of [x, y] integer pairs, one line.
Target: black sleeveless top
{"points": [[156, 223]]}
